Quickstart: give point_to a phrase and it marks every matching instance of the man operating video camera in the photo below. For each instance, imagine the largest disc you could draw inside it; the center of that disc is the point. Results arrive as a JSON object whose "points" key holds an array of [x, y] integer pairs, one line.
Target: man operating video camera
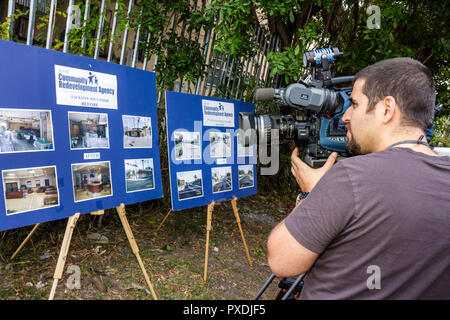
{"points": [[375, 225]]}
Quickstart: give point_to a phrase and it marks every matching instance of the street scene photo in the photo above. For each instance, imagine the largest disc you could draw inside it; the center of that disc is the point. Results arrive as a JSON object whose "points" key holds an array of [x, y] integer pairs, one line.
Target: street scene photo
{"points": [[187, 145], [30, 189], [220, 144], [221, 179], [23, 130], [88, 130], [139, 174], [91, 180], [246, 176], [137, 132], [190, 184]]}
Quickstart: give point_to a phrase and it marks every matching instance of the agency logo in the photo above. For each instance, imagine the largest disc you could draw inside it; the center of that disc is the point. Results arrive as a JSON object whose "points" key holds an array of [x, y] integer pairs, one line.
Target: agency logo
{"points": [[92, 79]]}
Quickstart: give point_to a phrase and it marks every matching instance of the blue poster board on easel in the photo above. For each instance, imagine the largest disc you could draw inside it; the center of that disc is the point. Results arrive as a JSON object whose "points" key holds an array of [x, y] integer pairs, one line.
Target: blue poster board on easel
{"points": [[76, 135], [206, 162]]}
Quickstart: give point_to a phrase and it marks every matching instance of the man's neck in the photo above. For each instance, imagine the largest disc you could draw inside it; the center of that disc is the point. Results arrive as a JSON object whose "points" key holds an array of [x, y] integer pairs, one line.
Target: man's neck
{"points": [[412, 134]]}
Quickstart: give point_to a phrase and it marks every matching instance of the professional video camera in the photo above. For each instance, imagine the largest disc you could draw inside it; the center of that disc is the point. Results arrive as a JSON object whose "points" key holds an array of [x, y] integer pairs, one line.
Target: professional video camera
{"points": [[319, 101]]}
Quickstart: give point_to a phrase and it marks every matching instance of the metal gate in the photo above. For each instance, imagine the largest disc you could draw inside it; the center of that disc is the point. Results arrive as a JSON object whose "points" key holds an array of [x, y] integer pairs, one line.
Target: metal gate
{"points": [[226, 77]]}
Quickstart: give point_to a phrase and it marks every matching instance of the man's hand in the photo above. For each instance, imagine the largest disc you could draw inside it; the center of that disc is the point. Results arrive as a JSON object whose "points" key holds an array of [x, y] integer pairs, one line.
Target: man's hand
{"points": [[306, 176]]}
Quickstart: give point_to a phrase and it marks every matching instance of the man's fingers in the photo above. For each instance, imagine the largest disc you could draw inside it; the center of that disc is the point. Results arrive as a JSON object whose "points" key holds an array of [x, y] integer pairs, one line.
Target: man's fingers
{"points": [[299, 164], [293, 171], [330, 161]]}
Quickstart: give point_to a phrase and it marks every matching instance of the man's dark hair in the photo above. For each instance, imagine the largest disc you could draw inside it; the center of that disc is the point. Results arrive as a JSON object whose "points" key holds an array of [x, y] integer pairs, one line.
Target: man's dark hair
{"points": [[408, 81]]}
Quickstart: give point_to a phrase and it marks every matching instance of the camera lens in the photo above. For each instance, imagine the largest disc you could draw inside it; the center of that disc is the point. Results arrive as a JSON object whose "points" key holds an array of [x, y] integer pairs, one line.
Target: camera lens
{"points": [[259, 129], [286, 127]]}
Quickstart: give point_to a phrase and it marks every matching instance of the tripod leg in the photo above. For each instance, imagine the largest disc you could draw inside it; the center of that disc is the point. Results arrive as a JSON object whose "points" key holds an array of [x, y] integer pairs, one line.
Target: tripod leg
{"points": [[296, 282], [238, 220], [208, 229], [134, 247], [63, 253], [25, 241], [167, 215], [264, 287]]}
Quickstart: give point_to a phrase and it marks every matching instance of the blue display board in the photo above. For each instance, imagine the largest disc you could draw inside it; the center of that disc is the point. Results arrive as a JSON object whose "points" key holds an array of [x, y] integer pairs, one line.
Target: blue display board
{"points": [[76, 135], [206, 162]]}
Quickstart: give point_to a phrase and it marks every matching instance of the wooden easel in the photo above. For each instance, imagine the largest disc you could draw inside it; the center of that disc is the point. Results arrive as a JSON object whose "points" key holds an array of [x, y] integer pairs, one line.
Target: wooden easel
{"points": [[71, 223], [209, 211]]}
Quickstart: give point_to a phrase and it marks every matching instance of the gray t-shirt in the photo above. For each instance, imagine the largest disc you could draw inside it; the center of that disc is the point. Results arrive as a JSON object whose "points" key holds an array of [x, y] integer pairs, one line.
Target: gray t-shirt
{"points": [[381, 224]]}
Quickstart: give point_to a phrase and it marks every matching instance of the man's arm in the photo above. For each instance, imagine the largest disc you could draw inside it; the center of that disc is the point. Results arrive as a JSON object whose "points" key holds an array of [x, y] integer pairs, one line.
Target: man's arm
{"points": [[286, 256]]}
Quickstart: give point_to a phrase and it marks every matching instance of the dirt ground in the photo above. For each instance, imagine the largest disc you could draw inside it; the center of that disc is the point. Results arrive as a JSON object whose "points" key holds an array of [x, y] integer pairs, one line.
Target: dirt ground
{"points": [[174, 257]]}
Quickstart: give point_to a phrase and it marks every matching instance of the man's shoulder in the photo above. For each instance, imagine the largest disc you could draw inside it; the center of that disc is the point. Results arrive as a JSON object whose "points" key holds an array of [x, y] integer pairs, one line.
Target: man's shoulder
{"points": [[394, 154], [387, 161], [366, 161], [368, 158]]}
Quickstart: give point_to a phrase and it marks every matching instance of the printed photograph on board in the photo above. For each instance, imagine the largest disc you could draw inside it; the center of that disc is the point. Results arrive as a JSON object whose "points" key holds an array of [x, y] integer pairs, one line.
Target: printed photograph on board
{"points": [[246, 177], [30, 189], [23, 130], [242, 150], [190, 184], [221, 179], [220, 144], [91, 180], [187, 145], [139, 174], [137, 132], [88, 130]]}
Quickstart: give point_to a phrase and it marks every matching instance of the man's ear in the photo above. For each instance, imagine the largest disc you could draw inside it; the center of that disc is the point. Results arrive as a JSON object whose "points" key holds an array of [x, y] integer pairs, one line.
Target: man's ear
{"points": [[388, 109]]}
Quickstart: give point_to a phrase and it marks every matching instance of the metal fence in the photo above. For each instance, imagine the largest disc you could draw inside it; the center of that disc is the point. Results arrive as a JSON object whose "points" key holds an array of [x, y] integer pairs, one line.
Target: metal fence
{"points": [[226, 77]]}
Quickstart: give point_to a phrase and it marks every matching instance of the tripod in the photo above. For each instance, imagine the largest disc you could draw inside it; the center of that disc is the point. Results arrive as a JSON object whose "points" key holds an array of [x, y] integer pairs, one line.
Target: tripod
{"points": [[287, 286]]}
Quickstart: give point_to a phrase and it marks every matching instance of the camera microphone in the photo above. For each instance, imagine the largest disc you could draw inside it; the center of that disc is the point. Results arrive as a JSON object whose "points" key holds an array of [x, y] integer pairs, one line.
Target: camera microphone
{"points": [[268, 94]]}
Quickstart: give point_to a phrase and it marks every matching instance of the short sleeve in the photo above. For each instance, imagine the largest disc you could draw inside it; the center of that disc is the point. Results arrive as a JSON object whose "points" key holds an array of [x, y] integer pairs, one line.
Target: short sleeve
{"points": [[325, 212]]}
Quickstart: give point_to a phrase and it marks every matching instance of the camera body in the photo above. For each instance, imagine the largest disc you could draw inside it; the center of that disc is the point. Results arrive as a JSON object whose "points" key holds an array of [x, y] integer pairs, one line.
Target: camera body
{"points": [[317, 103]]}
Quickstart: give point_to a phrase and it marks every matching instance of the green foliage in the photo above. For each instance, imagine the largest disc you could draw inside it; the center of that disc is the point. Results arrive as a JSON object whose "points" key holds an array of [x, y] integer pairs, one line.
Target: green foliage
{"points": [[89, 31], [234, 25], [290, 61], [179, 53], [441, 137], [4, 32]]}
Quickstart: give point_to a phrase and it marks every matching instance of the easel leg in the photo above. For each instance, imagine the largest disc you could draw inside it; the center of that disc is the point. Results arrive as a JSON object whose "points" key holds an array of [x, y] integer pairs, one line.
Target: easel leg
{"points": [[167, 215], [63, 253], [133, 244], [238, 220], [24, 241], [208, 229]]}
